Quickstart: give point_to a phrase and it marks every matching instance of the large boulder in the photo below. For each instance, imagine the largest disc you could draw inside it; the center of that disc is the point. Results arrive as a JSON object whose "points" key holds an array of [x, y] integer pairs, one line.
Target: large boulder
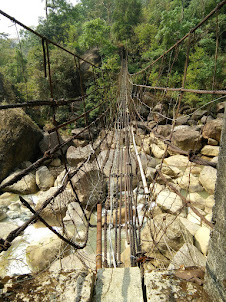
{"points": [[188, 255], [187, 139], [90, 185], [77, 155], [40, 254], [189, 182], [19, 138], [212, 129], [56, 210], [179, 161], [50, 141], [27, 184], [162, 232]]}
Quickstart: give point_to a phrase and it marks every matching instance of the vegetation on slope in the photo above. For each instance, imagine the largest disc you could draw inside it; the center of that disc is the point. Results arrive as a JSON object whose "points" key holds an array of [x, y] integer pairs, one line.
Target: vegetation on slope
{"points": [[146, 27]]}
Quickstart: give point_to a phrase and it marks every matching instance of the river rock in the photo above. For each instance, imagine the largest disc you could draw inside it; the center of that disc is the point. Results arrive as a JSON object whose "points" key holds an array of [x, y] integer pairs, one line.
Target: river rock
{"points": [[146, 146], [19, 138], [44, 178], [60, 178], [56, 210], [210, 202], [197, 200], [149, 173], [40, 254], [179, 161], [77, 155], [7, 198], [187, 139], [212, 142], [90, 185], [194, 218], [50, 141], [27, 185], [188, 255], [210, 150], [182, 120], [2, 215], [157, 151], [171, 171], [194, 169], [56, 162], [165, 230], [202, 239], [6, 228], [207, 178], [198, 114], [221, 107], [212, 129], [163, 130], [169, 201], [189, 183], [188, 229], [74, 214]]}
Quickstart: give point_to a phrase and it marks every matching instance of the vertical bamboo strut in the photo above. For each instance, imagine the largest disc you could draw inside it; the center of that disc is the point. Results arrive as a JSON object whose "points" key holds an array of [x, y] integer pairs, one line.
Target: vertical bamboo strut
{"points": [[99, 237]]}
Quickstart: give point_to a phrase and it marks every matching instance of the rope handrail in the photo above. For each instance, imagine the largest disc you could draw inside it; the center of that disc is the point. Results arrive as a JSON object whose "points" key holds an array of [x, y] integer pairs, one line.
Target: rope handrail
{"points": [[45, 38], [199, 91]]}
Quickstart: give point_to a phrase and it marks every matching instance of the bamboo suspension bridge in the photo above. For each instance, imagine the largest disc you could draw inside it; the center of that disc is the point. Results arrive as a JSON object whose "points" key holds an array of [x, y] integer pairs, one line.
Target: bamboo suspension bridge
{"points": [[120, 218]]}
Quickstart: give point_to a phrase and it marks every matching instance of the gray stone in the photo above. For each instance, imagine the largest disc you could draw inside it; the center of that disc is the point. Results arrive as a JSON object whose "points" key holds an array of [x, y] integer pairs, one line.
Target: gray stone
{"points": [[189, 182], [166, 231], [50, 141], [56, 162], [90, 185], [169, 201], [187, 139], [56, 210], [77, 155], [212, 129], [188, 229], [206, 119], [197, 200], [188, 255], [164, 286], [118, 284], [44, 178], [198, 114]]}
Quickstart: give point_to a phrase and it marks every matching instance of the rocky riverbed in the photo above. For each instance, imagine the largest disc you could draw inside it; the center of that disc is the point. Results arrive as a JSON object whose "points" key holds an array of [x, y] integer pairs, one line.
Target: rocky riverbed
{"points": [[182, 238]]}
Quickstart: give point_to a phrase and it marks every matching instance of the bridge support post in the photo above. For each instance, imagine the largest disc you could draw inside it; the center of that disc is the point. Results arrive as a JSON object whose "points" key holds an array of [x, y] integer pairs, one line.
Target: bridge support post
{"points": [[215, 277], [99, 237]]}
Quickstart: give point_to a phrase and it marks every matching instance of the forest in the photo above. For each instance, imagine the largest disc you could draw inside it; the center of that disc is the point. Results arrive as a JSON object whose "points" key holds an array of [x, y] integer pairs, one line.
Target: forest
{"points": [[146, 28]]}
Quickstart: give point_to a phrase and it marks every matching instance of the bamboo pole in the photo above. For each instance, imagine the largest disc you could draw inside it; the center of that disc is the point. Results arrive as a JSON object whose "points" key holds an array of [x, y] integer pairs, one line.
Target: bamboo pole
{"points": [[146, 191], [99, 237]]}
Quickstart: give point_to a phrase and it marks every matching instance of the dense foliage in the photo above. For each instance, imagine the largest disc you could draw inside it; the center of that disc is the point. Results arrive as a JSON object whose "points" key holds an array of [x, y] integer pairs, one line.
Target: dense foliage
{"points": [[145, 27]]}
